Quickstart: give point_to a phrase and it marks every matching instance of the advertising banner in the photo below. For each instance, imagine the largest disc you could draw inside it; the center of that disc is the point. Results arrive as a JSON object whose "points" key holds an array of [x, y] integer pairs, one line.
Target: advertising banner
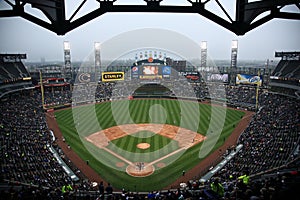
{"points": [[248, 79]]}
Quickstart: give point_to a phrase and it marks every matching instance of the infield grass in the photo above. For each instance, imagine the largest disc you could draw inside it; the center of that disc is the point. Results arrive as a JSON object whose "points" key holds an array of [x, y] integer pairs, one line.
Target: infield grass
{"points": [[80, 122], [156, 142]]}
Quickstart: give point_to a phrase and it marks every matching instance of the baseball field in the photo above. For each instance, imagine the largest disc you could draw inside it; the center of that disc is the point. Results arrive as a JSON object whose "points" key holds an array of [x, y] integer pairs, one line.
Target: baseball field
{"points": [[145, 145]]}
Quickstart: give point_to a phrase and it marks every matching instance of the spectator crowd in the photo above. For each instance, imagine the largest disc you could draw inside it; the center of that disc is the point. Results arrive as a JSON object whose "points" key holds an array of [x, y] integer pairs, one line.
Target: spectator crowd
{"points": [[266, 168]]}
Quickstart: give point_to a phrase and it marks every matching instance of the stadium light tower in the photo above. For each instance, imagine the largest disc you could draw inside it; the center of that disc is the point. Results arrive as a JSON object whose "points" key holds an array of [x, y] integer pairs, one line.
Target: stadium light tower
{"points": [[234, 50], [97, 61], [68, 72], [203, 54]]}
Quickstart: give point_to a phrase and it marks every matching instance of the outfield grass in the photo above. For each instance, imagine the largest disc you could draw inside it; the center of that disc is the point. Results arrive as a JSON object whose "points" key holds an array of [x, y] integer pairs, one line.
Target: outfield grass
{"points": [[80, 122]]}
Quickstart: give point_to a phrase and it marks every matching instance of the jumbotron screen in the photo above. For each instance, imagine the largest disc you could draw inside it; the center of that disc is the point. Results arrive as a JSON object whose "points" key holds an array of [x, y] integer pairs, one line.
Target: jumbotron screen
{"points": [[150, 71]]}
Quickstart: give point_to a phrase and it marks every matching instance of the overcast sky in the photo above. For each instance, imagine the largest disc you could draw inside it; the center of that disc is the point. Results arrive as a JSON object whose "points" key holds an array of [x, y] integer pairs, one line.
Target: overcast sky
{"points": [[125, 29]]}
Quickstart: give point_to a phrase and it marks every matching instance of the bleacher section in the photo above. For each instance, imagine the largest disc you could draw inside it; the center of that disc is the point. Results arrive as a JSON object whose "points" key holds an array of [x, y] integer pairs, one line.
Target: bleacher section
{"points": [[13, 74], [286, 75], [288, 69], [154, 90]]}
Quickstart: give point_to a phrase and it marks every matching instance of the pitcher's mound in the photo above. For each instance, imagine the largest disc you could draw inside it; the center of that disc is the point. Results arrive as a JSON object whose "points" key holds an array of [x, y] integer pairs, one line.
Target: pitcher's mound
{"points": [[143, 145], [140, 169]]}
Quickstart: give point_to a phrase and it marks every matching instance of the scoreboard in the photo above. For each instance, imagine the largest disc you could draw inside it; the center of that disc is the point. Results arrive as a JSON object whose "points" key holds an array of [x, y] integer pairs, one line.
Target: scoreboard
{"points": [[150, 71]]}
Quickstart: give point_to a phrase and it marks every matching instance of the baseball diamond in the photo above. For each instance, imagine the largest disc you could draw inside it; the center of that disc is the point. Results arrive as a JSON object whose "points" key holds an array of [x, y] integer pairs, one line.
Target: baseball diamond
{"points": [[184, 137], [170, 148]]}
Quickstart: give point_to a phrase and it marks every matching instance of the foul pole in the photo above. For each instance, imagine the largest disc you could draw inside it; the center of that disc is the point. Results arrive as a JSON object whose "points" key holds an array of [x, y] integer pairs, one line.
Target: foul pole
{"points": [[257, 90], [42, 89]]}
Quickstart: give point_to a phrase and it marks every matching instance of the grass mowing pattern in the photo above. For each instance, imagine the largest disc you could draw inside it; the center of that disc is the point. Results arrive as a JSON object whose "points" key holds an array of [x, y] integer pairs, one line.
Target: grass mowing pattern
{"points": [[127, 146], [141, 111], [156, 141]]}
